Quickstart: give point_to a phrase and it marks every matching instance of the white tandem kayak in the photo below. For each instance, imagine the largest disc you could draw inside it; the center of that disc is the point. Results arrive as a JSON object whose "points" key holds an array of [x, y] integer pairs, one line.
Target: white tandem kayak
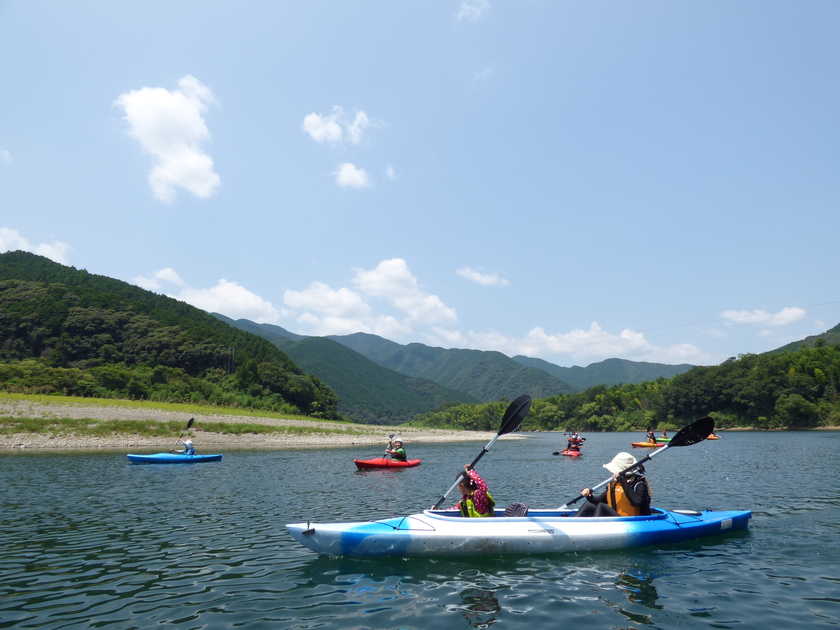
{"points": [[447, 533]]}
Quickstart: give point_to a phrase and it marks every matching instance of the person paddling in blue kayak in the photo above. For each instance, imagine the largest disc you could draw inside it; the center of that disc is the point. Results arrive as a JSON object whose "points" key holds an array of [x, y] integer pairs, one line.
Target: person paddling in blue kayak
{"points": [[475, 501], [396, 451], [626, 495], [189, 449]]}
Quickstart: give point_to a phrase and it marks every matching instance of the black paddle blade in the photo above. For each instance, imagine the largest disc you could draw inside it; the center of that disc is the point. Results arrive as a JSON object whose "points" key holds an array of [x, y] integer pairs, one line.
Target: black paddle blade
{"points": [[694, 432], [515, 414], [190, 423]]}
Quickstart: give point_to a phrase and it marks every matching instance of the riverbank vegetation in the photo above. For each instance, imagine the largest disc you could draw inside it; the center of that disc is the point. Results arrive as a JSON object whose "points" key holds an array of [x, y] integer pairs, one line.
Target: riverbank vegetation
{"points": [[768, 391]]}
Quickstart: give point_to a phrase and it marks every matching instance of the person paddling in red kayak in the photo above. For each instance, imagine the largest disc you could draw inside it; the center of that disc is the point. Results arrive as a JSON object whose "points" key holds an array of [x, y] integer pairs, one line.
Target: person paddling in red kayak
{"points": [[395, 450]]}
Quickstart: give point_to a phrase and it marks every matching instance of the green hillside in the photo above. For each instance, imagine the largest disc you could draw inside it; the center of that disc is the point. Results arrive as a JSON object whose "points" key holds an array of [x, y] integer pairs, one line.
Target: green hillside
{"points": [[369, 392], [64, 330], [488, 376], [607, 372]]}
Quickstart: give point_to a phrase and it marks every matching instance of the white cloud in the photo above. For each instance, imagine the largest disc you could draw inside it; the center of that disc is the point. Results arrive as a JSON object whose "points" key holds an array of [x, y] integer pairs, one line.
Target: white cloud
{"points": [[334, 127], [171, 128], [232, 300], [340, 303], [392, 280], [359, 124], [5, 157], [347, 175], [154, 282], [583, 346], [783, 317], [485, 279], [389, 172], [472, 10], [324, 128], [11, 240]]}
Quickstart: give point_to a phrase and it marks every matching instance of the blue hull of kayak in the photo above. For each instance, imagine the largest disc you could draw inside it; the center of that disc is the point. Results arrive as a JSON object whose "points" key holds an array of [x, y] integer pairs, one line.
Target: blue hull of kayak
{"points": [[446, 533], [172, 458]]}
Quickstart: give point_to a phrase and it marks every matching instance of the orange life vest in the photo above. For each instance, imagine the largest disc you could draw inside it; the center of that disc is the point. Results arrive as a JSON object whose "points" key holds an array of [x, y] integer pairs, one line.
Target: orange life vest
{"points": [[617, 500]]}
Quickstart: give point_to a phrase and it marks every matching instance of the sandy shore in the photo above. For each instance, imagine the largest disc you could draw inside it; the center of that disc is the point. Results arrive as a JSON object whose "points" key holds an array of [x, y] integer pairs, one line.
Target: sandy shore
{"points": [[207, 440]]}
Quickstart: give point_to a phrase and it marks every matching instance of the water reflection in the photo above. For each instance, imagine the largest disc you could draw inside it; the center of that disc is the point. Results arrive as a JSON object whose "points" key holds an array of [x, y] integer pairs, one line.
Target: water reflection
{"points": [[639, 588], [480, 607]]}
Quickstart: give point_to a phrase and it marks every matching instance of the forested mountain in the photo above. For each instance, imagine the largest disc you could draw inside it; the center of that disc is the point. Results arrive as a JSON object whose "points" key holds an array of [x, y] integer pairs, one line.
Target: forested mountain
{"points": [[782, 389], [369, 393], [828, 338], [472, 374], [607, 372], [64, 330]]}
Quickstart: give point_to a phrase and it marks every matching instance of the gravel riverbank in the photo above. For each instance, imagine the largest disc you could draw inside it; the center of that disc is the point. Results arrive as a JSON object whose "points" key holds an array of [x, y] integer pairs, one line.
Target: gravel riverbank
{"points": [[321, 434]]}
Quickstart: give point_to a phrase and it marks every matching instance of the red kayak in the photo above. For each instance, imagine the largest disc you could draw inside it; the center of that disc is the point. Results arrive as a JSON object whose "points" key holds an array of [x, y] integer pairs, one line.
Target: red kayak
{"points": [[568, 452], [384, 462]]}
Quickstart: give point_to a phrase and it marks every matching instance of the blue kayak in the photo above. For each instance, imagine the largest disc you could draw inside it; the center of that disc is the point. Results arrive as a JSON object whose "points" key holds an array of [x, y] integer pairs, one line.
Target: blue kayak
{"points": [[447, 533], [172, 458]]}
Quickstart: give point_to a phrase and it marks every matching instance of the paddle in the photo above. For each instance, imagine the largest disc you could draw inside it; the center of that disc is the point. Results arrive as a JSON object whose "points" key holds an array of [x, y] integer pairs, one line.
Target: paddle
{"points": [[189, 424], [390, 443], [692, 434], [516, 412]]}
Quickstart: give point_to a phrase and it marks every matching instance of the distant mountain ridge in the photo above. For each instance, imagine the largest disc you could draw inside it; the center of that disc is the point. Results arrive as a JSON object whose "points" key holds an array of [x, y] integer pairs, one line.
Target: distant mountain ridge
{"points": [[484, 375], [607, 372]]}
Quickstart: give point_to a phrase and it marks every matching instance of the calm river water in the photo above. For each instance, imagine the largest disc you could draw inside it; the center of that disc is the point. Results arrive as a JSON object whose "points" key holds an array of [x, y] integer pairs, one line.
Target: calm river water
{"points": [[88, 540]]}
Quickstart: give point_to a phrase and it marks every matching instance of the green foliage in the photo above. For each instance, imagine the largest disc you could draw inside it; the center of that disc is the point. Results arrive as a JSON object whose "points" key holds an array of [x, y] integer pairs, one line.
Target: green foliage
{"points": [[65, 331], [774, 390]]}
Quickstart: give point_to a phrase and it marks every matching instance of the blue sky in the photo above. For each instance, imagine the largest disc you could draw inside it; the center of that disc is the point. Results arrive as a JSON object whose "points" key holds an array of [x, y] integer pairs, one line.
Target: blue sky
{"points": [[575, 181]]}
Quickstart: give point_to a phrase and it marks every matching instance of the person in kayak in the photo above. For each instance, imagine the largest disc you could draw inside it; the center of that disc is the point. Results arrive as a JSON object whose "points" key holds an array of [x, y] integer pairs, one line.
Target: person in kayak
{"points": [[664, 434], [626, 495], [575, 442], [397, 452], [651, 436], [189, 449], [475, 501]]}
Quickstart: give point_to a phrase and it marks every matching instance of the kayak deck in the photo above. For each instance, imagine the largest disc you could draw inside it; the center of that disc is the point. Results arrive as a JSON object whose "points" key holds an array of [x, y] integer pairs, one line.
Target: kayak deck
{"points": [[172, 458], [446, 533]]}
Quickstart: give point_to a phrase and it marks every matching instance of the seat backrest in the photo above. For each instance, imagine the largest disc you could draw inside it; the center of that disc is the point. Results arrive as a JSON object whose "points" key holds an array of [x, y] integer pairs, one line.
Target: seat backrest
{"points": [[516, 509]]}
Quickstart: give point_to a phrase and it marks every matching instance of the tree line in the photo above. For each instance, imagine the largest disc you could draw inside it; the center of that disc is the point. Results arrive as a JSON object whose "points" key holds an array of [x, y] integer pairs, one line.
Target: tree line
{"points": [[762, 391]]}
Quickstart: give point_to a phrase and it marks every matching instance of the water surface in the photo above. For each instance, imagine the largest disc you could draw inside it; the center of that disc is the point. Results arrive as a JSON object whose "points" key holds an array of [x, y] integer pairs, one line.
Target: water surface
{"points": [[88, 540]]}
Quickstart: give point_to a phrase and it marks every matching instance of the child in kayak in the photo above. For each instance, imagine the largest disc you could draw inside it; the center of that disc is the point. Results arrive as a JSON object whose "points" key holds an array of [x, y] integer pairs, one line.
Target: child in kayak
{"points": [[189, 449], [626, 495], [475, 500], [397, 453]]}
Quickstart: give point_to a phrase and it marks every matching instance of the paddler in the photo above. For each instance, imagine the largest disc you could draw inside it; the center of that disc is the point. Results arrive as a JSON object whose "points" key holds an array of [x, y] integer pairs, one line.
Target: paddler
{"points": [[395, 450], [651, 436], [626, 495], [475, 501], [189, 449]]}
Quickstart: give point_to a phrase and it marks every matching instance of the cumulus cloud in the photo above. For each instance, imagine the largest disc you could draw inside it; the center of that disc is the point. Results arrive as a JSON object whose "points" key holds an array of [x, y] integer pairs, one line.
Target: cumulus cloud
{"points": [[228, 298], [485, 279], [12, 240], [171, 128], [783, 317], [339, 303], [5, 157], [232, 300], [472, 10], [336, 126], [348, 176], [158, 278], [392, 280]]}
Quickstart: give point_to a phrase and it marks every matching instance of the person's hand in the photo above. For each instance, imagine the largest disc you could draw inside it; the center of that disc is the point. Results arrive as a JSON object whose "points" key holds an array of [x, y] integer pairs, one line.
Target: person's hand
{"points": [[585, 492]]}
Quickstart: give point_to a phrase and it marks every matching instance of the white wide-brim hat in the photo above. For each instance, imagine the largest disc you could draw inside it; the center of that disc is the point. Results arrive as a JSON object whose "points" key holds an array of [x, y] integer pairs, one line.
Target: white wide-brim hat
{"points": [[620, 462]]}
